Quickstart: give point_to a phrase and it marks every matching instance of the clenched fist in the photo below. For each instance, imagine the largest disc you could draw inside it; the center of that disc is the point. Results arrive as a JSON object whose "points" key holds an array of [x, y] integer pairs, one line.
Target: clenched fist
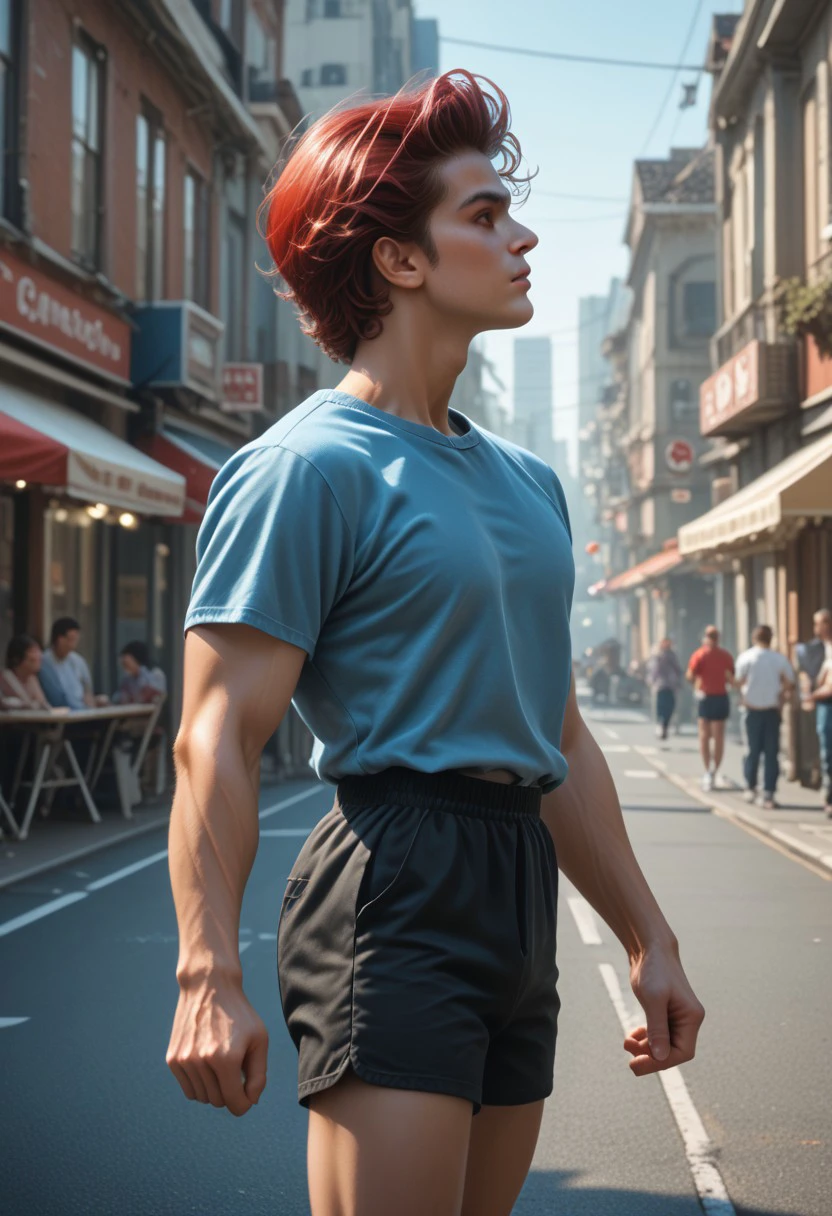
{"points": [[218, 1046]]}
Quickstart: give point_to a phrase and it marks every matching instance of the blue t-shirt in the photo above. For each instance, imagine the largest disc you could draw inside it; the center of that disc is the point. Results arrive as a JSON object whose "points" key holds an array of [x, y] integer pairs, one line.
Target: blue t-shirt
{"points": [[428, 577]]}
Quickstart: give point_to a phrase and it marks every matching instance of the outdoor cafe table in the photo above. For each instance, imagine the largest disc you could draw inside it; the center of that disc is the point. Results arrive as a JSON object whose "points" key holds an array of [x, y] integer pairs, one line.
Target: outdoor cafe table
{"points": [[49, 727]]}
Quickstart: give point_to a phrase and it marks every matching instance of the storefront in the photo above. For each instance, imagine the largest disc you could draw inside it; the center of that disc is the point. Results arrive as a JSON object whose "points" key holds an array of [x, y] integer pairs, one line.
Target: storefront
{"points": [[773, 540]]}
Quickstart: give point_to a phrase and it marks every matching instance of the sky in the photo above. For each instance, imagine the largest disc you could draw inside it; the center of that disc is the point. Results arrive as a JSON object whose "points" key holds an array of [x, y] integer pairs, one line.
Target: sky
{"points": [[583, 126]]}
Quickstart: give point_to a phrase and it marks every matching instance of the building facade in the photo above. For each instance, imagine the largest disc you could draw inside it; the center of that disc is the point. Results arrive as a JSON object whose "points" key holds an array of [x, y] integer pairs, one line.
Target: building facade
{"points": [[645, 472], [767, 408]]}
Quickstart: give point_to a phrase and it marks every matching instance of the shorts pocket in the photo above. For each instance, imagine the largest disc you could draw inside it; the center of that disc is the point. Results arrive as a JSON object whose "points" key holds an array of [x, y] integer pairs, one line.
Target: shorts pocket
{"points": [[387, 861]]}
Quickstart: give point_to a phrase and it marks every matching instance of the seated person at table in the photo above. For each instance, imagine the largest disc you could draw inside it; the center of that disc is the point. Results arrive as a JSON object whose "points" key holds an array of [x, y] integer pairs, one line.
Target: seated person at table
{"points": [[140, 685], [64, 674], [19, 686]]}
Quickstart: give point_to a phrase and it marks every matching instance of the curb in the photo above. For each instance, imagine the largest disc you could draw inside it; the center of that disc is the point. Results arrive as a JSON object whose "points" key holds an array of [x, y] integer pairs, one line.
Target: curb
{"points": [[806, 852], [94, 846]]}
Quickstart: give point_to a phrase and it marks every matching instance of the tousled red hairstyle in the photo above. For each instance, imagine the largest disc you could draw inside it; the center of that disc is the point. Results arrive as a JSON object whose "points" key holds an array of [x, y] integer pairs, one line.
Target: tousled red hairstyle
{"points": [[370, 171]]}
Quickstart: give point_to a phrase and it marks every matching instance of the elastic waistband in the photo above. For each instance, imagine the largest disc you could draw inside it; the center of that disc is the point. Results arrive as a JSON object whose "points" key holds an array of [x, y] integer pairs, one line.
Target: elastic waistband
{"points": [[446, 791]]}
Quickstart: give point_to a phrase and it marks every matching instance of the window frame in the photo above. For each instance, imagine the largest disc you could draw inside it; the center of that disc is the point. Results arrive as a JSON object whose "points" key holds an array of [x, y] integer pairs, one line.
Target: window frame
{"points": [[11, 195], [152, 217], [95, 55], [196, 264]]}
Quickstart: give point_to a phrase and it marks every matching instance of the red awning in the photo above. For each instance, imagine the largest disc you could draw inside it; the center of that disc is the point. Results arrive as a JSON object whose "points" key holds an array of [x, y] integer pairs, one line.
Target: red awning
{"points": [[651, 568], [198, 460], [48, 444]]}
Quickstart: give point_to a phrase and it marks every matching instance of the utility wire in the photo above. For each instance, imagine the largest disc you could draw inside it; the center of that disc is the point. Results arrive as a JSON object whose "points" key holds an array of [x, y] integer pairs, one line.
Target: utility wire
{"points": [[675, 76], [567, 58]]}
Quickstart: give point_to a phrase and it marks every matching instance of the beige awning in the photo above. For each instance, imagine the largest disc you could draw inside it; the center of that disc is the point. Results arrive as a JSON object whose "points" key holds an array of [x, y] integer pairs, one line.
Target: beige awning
{"points": [[799, 485]]}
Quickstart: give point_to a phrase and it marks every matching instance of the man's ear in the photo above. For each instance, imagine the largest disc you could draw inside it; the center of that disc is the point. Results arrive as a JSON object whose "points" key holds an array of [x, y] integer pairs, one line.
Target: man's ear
{"points": [[400, 263]]}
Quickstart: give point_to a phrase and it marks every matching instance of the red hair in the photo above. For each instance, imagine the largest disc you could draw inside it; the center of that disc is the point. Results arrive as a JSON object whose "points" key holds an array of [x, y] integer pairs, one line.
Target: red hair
{"points": [[366, 172]]}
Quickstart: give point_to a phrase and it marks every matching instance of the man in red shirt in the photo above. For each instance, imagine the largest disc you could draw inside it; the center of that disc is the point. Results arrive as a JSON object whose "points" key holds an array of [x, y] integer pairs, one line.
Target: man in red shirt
{"points": [[711, 671]]}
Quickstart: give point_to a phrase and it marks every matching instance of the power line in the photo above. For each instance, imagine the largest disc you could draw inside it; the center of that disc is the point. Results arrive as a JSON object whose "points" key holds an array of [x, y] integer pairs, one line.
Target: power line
{"points": [[675, 76], [568, 58]]}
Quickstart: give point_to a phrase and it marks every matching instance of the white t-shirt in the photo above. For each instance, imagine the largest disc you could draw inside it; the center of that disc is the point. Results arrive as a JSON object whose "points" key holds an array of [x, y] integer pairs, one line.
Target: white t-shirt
{"points": [[761, 671]]}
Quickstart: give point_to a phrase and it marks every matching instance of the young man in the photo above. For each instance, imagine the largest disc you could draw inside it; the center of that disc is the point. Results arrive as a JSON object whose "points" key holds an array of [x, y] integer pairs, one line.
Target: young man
{"points": [[711, 671], [405, 578], [821, 698], [664, 675], [766, 678]]}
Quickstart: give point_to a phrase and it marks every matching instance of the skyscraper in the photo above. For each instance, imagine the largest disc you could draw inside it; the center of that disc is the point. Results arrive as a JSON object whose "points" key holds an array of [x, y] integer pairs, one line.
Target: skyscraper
{"points": [[532, 426]]}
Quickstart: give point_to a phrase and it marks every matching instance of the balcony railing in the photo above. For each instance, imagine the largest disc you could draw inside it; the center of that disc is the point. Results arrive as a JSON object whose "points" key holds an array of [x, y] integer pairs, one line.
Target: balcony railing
{"points": [[735, 334]]}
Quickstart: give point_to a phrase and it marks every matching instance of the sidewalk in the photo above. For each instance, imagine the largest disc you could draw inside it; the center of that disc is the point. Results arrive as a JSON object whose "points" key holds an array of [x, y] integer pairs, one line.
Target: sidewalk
{"points": [[799, 824]]}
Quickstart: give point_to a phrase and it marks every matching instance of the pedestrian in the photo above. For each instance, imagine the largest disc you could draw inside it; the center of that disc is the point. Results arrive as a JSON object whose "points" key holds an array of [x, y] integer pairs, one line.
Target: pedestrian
{"points": [[64, 674], [406, 578], [664, 675], [821, 699], [765, 678], [711, 671]]}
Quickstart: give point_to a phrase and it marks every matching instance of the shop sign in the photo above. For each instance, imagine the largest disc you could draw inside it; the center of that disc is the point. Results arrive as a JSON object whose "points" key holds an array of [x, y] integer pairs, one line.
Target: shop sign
{"points": [[734, 388], [99, 481], [680, 496], [242, 388], [53, 315], [679, 456]]}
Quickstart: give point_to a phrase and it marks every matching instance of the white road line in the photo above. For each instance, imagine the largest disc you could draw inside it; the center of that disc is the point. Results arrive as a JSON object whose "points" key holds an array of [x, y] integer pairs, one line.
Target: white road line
{"points": [[613, 734], [285, 831], [699, 1150], [117, 875], [646, 751], [54, 905], [649, 774], [5, 1023], [612, 749], [243, 946], [584, 918]]}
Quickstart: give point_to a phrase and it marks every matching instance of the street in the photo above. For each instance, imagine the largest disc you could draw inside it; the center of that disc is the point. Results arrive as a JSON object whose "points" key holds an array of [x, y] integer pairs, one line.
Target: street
{"points": [[93, 1122]]}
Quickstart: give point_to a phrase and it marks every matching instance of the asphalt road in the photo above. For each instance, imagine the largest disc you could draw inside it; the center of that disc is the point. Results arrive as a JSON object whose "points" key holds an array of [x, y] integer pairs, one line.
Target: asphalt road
{"points": [[92, 1122]]}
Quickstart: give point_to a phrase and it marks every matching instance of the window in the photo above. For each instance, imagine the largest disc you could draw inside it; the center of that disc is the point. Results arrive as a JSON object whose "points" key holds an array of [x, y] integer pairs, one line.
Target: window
{"points": [[332, 8], [87, 126], [333, 73], [230, 19], [811, 180], [261, 55], [150, 204], [196, 234], [683, 407], [233, 304], [306, 78], [9, 109], [699, 309]]}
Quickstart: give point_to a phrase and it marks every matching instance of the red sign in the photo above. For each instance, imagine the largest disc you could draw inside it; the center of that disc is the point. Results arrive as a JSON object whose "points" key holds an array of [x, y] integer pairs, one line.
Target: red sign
{"points": [[680, 496], [242, 388], [679, 456], [734, 388], [47, 312]]}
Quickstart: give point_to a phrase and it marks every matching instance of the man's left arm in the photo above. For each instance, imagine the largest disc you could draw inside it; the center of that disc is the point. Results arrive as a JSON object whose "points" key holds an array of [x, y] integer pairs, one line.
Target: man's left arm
{"points": [[594, 852]]}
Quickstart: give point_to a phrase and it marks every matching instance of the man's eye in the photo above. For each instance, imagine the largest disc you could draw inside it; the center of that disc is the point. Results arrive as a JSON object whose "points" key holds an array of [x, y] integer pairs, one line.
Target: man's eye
{"points": [[486, 215]]}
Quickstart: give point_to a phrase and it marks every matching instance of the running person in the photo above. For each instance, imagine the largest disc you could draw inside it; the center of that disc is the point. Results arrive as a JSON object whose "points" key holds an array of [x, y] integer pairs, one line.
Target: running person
{"points": [[404, 577], [711, 671]]}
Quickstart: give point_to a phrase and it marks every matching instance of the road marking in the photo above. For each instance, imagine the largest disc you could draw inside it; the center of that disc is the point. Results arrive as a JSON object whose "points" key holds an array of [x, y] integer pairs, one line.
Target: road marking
{"points": [[584, 918], [646, 751], [117, 875], [267, 937], [612, 749], [649, 774], [699, 1150], [55, 905], [5, 1023], [243, 946], [27, 918], [613, 734], [285, 831]]}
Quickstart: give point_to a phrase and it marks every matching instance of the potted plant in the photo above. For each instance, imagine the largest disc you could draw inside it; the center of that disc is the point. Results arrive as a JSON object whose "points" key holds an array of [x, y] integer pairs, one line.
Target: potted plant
{"points": [[806, 311]]}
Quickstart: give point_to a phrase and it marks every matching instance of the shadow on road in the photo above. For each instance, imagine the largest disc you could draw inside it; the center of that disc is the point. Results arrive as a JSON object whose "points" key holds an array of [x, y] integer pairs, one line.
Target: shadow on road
{"points": [[557, 1193]]}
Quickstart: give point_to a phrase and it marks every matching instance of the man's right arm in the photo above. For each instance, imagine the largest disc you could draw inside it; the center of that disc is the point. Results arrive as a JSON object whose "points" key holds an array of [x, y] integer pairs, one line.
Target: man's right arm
{"points": [[238, 685]]}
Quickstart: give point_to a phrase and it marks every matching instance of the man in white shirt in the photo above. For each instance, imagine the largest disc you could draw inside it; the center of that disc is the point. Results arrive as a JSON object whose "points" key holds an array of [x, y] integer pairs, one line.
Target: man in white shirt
{"points": [[766, 678], [64, 674], [821, 699]]}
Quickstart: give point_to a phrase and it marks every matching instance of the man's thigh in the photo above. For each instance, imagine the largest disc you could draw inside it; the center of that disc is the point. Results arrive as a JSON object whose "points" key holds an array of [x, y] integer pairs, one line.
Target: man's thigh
{"points": [[373, 1151], [503, 1140]]}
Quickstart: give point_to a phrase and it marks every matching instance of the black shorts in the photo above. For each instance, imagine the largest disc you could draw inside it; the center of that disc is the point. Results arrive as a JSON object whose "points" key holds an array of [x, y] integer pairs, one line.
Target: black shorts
{"points": [[715, 707], [416, 942]]}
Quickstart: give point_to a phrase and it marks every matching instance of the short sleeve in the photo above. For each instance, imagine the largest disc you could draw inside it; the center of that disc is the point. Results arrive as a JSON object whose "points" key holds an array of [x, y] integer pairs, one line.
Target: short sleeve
{"points": [[560, 498], [274, 550], [742, 666]]}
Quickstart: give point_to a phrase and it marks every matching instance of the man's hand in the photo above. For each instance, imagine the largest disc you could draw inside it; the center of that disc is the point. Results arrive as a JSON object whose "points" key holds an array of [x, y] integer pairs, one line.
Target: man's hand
{"points": [[218, 1046], [674, 1015]]}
